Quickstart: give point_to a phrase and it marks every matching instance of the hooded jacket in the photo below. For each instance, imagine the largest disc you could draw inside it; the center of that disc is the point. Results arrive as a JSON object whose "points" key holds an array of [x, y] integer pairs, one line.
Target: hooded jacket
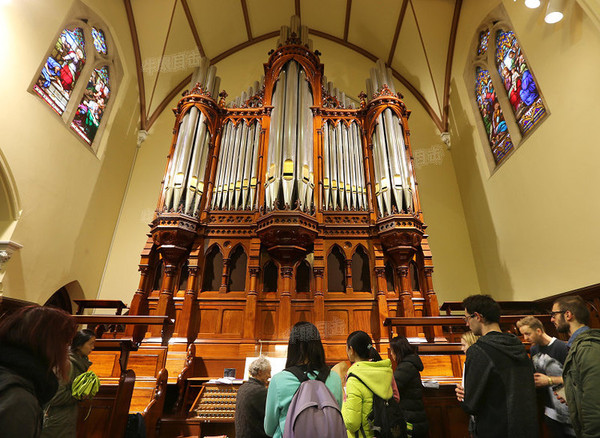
{"points": [[25, 386], [60, 418], [499, 388], [359, 400], [410, 387], [582, 384]]}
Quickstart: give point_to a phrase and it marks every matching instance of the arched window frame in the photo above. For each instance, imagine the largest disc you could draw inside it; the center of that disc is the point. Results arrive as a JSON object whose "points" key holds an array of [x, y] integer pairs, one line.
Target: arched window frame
{"points": [[82, 16], [496, 21]]}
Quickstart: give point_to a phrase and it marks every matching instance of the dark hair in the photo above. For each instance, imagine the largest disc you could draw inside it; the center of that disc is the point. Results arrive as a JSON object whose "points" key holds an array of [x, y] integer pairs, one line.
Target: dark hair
{"points": [[305, 349], [576, 305], [362, 345], [401, 347], [81, 337], [484, 305], [44, 332]]}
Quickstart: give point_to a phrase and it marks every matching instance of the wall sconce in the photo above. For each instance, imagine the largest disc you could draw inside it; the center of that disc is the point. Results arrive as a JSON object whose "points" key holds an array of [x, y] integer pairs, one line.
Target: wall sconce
{"points": [[554, 11]]}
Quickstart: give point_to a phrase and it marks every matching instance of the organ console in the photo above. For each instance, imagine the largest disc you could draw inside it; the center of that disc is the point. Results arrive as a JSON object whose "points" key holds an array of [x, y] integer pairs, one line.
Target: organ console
{"points": [[291, 202]]}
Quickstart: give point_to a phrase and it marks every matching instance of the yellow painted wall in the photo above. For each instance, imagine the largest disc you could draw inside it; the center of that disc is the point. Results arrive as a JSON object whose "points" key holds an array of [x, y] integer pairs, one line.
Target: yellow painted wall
{"points": [[69, 196], [454, 273], [533, 222]]}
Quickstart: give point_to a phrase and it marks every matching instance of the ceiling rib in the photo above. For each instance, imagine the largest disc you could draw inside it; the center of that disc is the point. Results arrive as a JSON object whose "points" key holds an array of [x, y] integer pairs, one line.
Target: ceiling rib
{"points": [[138, 64], [193, 28], [397, 75], [449, 59], [397, 32], [163, 104], [420, 98], [162, 55], [347, 24], [247, 19], [437, 97]]}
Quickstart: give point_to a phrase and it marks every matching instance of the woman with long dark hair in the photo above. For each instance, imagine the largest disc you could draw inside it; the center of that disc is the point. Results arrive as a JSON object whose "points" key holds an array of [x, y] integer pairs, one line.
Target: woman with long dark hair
{"points": [[375, 377], [408, 379], [60, 419], [33, 351], [305, 350]]}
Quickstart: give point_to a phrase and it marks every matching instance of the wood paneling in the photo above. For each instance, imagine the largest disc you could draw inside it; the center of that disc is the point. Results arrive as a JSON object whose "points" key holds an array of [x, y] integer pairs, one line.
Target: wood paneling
{"points": [[232, 322], [437, 366], [105, 363], [208, 321]]}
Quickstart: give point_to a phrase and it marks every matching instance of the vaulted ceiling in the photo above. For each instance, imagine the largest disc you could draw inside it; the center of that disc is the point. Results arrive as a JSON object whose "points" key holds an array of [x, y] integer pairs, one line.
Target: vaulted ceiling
{"points": [[414, 37]]}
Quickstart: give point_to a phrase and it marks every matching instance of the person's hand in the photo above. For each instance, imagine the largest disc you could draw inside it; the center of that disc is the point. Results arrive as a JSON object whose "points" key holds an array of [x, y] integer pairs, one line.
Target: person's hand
{"points": [[460, 393], [540, 380], [560, 398]]}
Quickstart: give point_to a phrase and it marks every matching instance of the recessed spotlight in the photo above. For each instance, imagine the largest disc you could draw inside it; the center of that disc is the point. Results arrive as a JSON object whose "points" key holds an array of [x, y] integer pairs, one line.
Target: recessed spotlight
{"points": [[532, 4], [554, 11]]}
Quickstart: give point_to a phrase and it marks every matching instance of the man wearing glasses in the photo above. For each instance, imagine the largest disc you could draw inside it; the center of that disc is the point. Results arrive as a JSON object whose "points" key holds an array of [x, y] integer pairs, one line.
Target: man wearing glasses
{"points": [[581, 372], [498, 387]]}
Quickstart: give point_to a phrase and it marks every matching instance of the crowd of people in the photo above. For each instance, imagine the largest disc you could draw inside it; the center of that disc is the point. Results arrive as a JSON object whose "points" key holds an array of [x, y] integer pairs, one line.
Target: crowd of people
{"points": [[42, 353]]}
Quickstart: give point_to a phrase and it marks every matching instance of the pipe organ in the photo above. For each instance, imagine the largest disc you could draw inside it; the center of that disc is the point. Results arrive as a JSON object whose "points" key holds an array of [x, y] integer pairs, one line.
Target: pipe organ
{"points": [[291, 202]]}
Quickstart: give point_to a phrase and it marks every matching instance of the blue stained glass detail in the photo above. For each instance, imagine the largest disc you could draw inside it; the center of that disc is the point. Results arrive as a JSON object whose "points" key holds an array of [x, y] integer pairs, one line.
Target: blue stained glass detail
{"points": [[99, 40]]}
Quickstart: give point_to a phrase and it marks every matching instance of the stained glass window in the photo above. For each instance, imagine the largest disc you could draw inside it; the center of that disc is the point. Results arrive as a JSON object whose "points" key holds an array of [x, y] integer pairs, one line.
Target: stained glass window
{"points": [[484, 37], [62, 69], [520, 86], [90, 110], [99, 40], [492, 116]]}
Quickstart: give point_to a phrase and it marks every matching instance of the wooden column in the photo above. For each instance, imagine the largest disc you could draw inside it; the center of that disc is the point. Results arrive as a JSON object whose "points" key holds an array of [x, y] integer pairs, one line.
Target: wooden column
{"points": [[187, 323], [348, 270], [251, 299], [382, 304], [224, 276], [431, 302], [319, 308], [166, 306], [285, 302], [139, 303], [406, 298]]}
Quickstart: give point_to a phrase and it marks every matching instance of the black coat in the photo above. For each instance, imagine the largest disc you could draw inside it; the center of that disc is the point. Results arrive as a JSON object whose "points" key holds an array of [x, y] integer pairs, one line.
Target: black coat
{"points": [[408, 379], [25, 386], [250, 409]]}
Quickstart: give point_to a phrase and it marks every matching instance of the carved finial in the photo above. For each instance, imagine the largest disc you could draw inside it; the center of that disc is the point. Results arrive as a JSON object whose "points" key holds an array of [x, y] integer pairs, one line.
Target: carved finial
{"points": [[222, 95], [363, 99]]}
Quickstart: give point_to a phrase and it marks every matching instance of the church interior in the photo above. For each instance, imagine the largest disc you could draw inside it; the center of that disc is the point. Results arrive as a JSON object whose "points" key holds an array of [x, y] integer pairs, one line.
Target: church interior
{"points": [[223, 170]]}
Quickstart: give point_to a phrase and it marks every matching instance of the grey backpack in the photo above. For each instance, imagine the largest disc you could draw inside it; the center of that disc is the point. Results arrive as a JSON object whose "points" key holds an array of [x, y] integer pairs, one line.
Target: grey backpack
{"points": [[314, 411]]}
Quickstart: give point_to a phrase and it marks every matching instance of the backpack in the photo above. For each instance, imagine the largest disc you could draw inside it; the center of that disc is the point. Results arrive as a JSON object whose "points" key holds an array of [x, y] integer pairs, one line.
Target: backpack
{"points": [[314, 411], [386, 419]]}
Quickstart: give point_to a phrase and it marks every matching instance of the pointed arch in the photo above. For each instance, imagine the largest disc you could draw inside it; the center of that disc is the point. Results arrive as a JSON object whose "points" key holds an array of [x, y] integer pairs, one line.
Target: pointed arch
{"points": [[158, 275], [184, 274], [213, 269], [361, 270], [10, 202], [270, 276], [238, 262], [414, 276], [303, 276], [390, 278], [336, 270]]}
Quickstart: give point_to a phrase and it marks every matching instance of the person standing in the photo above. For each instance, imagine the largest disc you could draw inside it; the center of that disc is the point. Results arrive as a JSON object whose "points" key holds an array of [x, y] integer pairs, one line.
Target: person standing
{"points": [[251, 400], [581, 372], [375, 376], [498, 388], [305, 350], [33, 347], [548, 355], [60, 417], [408, 379]]}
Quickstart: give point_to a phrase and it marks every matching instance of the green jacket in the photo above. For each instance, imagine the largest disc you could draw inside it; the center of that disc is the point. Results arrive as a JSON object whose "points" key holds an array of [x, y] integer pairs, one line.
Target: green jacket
{"points": [[359, 400], [581, 374], [60, 419]]}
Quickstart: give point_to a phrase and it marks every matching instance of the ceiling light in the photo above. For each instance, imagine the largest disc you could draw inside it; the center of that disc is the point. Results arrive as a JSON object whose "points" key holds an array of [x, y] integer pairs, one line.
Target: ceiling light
{"points": [[554, 11], [532, 4]]}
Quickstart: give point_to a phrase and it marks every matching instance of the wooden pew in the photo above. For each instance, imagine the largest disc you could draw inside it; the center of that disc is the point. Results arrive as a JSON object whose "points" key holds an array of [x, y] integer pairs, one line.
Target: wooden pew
{"points": [[105, 416], [118, 305]]}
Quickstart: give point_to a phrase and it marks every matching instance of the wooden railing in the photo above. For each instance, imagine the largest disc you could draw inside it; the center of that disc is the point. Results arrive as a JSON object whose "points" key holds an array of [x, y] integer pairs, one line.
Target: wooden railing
{"points": [[118, 305], [506, 321]]}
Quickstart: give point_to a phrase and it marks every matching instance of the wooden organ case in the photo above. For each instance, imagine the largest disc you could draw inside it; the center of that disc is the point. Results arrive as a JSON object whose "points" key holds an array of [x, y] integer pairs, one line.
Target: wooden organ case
{"points": [[291, 203]]}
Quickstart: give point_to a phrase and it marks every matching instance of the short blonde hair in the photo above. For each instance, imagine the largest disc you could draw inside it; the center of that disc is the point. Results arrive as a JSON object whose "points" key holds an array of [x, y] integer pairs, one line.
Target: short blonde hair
{"points": [[470, 338], [259, 366], [531, 322]]}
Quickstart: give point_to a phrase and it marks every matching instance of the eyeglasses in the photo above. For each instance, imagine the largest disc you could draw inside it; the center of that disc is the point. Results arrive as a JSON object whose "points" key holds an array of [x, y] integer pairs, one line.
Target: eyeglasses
{"points": [[557, 312], [467, 317]]}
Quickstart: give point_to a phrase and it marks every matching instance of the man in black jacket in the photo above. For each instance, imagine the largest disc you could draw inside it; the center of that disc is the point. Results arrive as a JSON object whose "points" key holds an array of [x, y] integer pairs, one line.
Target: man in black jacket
{"points": [[498, 387], [251, 400]]}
